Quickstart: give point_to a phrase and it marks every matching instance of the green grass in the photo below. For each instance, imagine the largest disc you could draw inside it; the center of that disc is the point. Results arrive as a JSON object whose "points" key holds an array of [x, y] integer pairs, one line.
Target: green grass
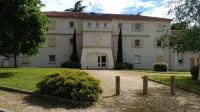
{"points": [[24, 78], [182, 81], [169, 72]]}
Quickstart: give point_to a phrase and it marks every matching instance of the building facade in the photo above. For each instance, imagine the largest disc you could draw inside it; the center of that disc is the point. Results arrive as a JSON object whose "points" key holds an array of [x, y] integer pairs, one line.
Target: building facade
{"points": [[97, 41]]}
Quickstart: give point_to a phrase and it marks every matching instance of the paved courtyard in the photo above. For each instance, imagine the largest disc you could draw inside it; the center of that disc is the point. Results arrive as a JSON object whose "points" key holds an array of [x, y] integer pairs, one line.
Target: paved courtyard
{"points": [[159, 97]]}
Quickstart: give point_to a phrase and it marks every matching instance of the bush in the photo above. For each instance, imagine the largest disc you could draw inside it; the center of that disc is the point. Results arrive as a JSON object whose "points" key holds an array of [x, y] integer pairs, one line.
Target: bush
{"points": [[195, 72], [71, 65], [76, 85], [161, 66], [123, 65]]}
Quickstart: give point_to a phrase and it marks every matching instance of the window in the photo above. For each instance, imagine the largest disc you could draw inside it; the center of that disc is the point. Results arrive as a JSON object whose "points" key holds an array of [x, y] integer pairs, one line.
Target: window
{"points": [[89, 25], [137, 59], [137, 43], [25, 59], [52, 25], [119, 25], [52, 58], [160, 27], [137, 27], [71, 24], [97, 25], [180, 61], [52, 42], [71, 41], [158, 43], [105, 25]]}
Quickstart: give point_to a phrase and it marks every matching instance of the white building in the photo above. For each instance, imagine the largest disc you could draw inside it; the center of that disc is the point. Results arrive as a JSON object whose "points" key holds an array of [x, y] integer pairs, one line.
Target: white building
{"points": [[97, 36]]}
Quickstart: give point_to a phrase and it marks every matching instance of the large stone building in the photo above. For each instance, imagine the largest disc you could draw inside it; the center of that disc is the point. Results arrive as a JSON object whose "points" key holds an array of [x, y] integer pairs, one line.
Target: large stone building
{"points": [[97, 36]]}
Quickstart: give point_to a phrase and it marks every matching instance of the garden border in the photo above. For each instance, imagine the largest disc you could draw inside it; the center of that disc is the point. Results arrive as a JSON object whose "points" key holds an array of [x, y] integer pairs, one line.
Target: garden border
{"points": [[189, 90], [65, 100]]}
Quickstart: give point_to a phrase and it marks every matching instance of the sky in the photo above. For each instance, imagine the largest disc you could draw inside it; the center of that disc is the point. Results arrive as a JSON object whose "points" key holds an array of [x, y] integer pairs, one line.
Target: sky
{"points": [[155, 8]]}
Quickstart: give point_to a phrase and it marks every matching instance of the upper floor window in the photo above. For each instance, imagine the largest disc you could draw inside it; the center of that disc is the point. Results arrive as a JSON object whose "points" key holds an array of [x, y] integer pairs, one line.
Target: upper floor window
{"points": [[52, 25], [105, 25], [160, 27], [52, 42], [157, 43], [119, 25], [97, 25], [89, 25], [137, 43], [137, 26], [71, 24]]}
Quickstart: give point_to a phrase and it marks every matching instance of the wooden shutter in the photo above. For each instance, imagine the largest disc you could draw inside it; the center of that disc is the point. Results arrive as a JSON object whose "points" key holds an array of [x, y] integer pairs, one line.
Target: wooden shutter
{"points": [[25, 59], [52, 25], [160, 27], [142, 27], [52, 42], [133, 26], [141, 43], [159, 59], [191, 62], [132, 43], [155, 42]]}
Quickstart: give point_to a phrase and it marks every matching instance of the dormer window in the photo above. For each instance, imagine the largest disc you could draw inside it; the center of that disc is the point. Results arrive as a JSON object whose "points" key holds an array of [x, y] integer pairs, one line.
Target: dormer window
{"points": [[89, 25], [97, 25]]}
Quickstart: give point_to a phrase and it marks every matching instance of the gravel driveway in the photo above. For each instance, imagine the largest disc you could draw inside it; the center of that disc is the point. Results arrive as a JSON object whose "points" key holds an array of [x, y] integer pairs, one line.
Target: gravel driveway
{"points": [[130, 99]]}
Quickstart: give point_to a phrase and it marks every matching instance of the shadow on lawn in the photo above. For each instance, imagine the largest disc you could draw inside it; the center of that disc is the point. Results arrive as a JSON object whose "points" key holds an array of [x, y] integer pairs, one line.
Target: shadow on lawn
{"points": [[49, 104], [7, 74]]}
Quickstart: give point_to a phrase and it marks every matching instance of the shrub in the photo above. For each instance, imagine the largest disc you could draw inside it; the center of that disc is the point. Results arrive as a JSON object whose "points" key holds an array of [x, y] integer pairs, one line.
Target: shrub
{"points": [[123, 65], [161, 66], [71, 65], [194, 72], [76, 85]]}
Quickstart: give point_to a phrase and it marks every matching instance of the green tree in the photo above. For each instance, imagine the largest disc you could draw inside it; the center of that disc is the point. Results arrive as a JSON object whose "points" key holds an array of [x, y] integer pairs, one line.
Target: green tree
{"points": [[179, 26], [74, 57], [77, 7], [120, 51], [23, 27]]}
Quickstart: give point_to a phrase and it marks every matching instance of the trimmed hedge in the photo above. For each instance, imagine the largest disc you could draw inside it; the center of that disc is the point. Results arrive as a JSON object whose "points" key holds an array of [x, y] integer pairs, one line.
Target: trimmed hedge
{"points": [[123, 65], [71, 65], [76, 85], [194, 72], [161, 66]]}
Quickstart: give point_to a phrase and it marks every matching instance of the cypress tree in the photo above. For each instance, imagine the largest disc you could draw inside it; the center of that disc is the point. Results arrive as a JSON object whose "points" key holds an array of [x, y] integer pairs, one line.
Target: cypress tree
{"points": [[74, 57], [119, 51]]}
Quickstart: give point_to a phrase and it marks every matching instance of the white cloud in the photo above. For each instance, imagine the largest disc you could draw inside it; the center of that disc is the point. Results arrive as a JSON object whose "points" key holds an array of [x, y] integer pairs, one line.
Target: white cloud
{"points": [[111, 6]]}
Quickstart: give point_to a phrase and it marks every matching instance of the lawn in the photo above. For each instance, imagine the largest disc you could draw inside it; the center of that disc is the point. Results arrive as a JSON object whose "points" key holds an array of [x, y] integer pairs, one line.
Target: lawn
{"points": [[182, 81], [24, 78], [169, 72]]}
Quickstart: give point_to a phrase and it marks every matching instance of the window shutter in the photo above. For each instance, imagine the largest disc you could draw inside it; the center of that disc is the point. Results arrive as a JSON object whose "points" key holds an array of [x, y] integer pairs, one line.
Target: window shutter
{"points": [[52, 42], [52, 25], [142, 26], [160, 27], [155, 42], [25, 59], [133, 26], [159, 59], [141, 43], [132, 43]]}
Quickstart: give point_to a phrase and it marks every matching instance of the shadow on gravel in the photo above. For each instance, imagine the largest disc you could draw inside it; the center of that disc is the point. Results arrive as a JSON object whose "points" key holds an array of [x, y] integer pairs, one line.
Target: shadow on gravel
{"points": [[7, 74], [48, 104], [160, 100]]}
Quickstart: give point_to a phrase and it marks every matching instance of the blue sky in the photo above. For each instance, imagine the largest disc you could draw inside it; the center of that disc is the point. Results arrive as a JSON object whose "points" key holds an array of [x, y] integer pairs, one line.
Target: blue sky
{"points": [[157, 8]]}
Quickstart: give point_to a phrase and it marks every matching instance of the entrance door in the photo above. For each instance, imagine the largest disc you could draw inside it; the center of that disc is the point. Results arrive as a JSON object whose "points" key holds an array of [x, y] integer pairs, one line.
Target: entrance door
{"points": [[102, 62], [191, 62]]}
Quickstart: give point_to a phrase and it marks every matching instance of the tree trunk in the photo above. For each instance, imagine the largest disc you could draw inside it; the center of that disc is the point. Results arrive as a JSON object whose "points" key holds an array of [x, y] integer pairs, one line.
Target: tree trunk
{"points": [[15, 60]]}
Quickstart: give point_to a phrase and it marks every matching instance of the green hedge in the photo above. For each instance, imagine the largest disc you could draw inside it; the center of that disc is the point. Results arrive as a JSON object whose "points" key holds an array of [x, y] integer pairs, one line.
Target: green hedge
{"points": [[76, 85], [195, 72], [71, 65], [123, 65], [161, 66]]}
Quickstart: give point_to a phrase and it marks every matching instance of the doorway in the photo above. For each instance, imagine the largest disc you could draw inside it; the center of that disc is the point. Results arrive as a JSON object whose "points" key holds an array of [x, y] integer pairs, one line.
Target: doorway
{"points": [[102, 61]]}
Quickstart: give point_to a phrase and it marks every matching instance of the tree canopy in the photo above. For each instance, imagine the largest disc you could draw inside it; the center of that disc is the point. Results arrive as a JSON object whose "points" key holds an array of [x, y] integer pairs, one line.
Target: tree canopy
{"points": [[23, 27], [77, 7], [186, 39]]}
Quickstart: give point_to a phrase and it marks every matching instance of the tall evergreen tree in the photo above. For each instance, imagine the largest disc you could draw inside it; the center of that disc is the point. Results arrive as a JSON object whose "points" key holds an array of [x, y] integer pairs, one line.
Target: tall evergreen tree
{"points": [[74, 57], [77, 7], [120, 52]]}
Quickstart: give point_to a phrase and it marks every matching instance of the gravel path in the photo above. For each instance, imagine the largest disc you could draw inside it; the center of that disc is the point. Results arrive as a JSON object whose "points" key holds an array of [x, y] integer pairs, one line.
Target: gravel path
{"points": [[131, 98]]}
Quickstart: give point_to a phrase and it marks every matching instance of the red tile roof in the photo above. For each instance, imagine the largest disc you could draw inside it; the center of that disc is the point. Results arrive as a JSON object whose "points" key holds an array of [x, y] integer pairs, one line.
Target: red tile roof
{"points": [[99, 16]]}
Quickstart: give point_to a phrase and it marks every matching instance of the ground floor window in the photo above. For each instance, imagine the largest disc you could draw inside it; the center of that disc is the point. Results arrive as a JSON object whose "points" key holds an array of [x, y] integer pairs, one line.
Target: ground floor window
{"points": [[137, 59], [181, 61], [52, 58]]}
